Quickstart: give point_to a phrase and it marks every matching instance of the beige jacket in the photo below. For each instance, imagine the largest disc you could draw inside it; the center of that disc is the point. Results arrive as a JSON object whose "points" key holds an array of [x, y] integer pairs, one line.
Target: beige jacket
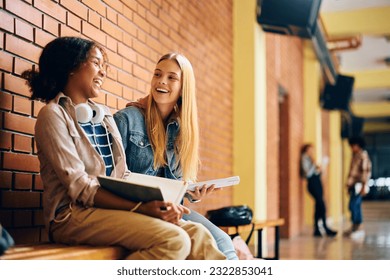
{"points": [[68, 162]]}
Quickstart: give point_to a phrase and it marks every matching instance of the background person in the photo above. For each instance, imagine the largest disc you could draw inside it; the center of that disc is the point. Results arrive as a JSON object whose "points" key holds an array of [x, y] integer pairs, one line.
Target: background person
{"points": [[357, 181], [312, 173], [161, 136], [74, 148]]}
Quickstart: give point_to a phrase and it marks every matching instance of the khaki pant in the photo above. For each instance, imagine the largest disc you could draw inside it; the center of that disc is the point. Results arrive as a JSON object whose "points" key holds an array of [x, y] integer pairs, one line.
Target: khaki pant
{"points": [[147, 238]]}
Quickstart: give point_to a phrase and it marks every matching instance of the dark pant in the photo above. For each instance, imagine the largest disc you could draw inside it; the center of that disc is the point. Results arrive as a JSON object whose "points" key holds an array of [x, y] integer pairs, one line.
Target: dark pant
{"points": [[314, 186]]}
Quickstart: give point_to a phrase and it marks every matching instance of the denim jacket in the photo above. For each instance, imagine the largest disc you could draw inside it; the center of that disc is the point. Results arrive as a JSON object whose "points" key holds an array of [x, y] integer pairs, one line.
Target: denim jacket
{"points": [[138, 149]]}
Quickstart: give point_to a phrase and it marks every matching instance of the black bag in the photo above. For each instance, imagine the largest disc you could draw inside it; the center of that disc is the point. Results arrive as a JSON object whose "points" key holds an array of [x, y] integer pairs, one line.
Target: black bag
{"points": [[231, 216]]}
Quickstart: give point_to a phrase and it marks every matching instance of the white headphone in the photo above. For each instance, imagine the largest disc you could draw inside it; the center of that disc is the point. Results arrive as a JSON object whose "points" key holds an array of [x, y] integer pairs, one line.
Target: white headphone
{"points": [[89, 112]]}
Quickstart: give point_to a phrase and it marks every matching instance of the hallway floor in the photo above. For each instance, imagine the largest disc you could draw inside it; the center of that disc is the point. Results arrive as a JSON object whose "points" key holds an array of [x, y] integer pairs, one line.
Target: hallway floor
{"points": [[372, 243]]}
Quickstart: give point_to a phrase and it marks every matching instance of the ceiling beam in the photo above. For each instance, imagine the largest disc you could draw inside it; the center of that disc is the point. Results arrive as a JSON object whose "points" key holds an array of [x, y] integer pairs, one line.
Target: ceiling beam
{"points": [[372, 21], [371, 79], [371, 109]]}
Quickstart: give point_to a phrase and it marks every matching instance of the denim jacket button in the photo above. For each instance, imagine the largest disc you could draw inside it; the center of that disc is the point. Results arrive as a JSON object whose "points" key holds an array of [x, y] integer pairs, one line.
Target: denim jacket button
{"points": [[141, 143]]}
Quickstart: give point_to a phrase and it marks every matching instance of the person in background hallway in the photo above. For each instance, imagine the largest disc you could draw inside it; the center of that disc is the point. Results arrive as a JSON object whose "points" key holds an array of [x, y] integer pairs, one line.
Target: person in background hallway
{"points": [[312, 173], [357, 181], [161, 137], [77, 141]]}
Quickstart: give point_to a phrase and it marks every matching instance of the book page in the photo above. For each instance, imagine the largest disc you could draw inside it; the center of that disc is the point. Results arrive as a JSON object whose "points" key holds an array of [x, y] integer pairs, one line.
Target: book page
{"points": [[172, 190], [219, 183]]}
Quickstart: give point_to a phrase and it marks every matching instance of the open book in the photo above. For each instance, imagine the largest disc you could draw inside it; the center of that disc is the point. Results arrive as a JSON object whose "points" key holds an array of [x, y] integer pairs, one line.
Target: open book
{"points": [[140, 187], [219, 183]]}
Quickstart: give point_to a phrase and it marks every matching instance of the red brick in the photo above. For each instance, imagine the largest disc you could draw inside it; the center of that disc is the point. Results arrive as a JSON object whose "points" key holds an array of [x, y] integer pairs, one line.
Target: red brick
{"points": [[20, 199], [37, 106], [141, 73], [20, 162], [6, 22], [112, 15], [23, 218], [19, 123], [127, 25], [21, 65], [111, 101], [101, 98], [112, 73], [23, 181], [19, 47], [5, 179], [24, 11], [22, 105], [25, 235], [111, 29], [94, 18], [141, 48], [112, 44], [97, 6], [43, 37], [76, 7], [5, 140], [93, 33], [6, 217], [113, 87], [126, 79], [122, 103], [127, 94], [141, 23], [115, 4], [132, 5], [5, 101], [114, 59], [22, 143], [141, 11], [51, 8], [67, 31], [38, 218], [127, 66], [127, 53], [73, 21], [127, 39], [24, 30], [38, 185], [16, 85], [154, 44], [153, 8], [141, 36], [2, 40], [127, 13], [50, 25]]}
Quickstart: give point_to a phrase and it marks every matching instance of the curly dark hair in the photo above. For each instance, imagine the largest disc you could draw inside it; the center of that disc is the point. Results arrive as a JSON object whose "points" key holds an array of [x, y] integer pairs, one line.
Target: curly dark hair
{"points": [[357, 141], [58, 59]]}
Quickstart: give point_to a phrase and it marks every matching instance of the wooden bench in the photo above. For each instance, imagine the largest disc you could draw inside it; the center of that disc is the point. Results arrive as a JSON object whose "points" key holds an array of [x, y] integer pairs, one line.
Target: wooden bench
{"points": [[259, 226], [50, 251]]}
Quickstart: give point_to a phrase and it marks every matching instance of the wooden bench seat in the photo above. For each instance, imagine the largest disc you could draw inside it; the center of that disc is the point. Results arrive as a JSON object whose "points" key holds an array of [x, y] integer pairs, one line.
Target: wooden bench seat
{"points": [[50, 251], [259, 225]]}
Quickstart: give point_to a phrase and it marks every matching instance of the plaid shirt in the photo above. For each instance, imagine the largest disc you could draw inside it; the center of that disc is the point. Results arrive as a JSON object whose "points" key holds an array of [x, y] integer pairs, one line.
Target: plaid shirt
{"points": [[360, 169]]}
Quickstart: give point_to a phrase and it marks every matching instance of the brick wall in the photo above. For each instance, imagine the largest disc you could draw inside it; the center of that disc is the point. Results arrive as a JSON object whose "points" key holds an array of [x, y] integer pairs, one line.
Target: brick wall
{"points": [[285, 130], [136, 33]]}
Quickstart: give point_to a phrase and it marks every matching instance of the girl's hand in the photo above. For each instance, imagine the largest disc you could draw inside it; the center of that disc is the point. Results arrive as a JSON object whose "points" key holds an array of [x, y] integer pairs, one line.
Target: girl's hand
{"points": [[166, 211], [200, 193]]}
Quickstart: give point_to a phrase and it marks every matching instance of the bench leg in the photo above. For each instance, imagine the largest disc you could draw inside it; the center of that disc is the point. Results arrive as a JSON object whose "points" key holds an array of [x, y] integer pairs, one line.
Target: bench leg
{"points": [[260, 243], [277, 236]]}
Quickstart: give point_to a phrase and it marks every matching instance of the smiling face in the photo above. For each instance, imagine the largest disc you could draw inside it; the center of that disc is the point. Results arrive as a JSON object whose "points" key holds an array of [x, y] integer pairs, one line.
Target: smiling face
{"points": [[166, 85], [86, 81]]}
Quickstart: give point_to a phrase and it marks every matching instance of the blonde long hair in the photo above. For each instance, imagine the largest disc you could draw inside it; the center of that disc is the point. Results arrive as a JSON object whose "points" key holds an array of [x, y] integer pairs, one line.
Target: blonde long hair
{"points": [[187, 141]]}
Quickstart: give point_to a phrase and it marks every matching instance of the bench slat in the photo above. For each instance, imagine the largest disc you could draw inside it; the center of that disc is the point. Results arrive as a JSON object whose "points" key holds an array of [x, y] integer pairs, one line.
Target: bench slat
{"points": [[50, 251]]}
